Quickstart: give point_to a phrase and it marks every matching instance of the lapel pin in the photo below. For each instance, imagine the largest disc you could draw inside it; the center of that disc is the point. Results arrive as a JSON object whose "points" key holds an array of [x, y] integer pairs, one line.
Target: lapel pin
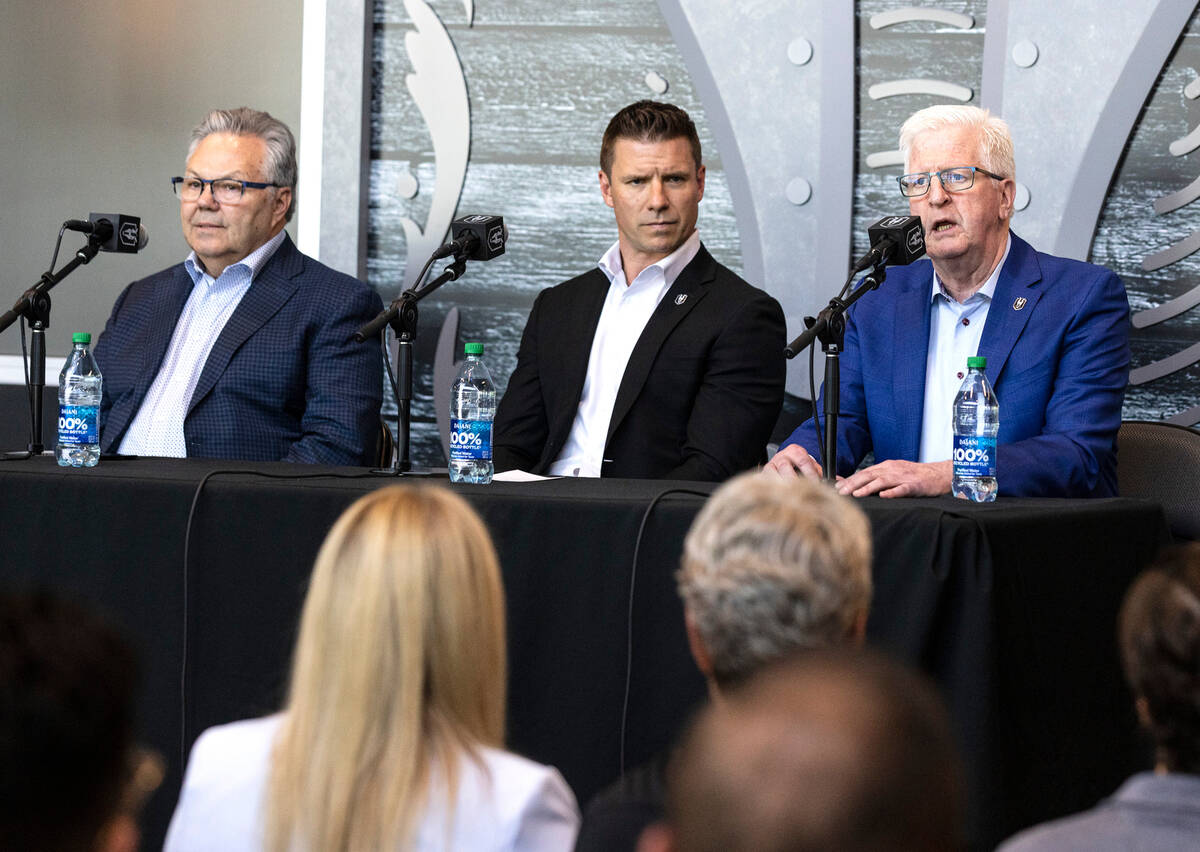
{"points": [[681, 298], [1019, 303]]}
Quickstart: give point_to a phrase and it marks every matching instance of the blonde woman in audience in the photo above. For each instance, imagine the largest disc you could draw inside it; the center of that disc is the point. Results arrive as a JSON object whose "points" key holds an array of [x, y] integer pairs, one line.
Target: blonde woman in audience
{"points": [[391, 735]]}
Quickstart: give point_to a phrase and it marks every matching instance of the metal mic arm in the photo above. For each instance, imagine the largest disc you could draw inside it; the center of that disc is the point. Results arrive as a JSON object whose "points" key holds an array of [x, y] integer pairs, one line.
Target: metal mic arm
{"points": [[24, 305], [401, 315], [34, 305], [829, 327]]}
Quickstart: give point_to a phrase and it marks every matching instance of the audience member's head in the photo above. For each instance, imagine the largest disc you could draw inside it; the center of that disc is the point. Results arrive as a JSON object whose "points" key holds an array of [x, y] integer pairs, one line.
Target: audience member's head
{"points": [[835, 749], [771, 566], [400, 665], [67, 683], [1160, 647]]}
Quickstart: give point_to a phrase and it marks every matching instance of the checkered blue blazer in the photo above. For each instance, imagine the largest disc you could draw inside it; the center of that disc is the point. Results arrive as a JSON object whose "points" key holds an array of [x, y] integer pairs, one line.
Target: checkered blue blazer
{"points": [[283, 380]]}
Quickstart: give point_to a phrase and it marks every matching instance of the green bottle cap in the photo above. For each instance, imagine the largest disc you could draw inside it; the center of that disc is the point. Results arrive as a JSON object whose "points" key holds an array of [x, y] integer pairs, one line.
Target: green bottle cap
{"points": [[976, 362], [81, 337], [473, 349]]}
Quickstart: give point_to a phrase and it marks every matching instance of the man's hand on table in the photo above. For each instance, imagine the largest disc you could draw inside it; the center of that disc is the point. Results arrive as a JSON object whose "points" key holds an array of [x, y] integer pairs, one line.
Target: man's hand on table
{"points": [[892, 478]]}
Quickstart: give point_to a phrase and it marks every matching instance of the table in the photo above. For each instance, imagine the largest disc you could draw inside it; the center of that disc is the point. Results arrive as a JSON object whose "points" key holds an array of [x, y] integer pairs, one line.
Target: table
{"points": [[1009, 606]]}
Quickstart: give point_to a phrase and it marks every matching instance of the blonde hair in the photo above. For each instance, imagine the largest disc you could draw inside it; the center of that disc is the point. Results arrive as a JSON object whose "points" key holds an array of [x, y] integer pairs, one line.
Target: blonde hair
{"points": [[995, 141], [772, 565], [400, 666]]}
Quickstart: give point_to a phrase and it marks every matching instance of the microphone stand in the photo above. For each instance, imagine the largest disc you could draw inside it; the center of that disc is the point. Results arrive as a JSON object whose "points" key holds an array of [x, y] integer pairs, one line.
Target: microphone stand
{"points": [[829, 326], [34, 305], [401, 315]]}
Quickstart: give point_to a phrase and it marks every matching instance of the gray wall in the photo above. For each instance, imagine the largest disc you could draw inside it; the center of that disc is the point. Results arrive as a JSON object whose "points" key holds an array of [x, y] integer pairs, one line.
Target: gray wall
{"points": [[98, 100]]}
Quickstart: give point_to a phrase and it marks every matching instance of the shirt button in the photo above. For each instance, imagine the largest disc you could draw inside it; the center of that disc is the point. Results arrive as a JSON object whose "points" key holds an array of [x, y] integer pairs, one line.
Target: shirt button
{"points": [[966, 321], [960, 375]]}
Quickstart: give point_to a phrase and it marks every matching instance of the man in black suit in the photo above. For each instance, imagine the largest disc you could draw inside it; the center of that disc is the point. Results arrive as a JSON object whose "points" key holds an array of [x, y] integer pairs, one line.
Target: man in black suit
{"points": [[661, 363]]}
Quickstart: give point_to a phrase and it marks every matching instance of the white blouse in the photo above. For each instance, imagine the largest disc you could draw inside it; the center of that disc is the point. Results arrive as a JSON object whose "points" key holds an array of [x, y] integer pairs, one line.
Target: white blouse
{"points": [[511, 804]]}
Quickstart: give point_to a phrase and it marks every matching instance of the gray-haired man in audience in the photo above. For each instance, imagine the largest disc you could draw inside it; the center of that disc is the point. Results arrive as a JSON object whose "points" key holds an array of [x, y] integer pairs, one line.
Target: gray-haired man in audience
{"points": [[770, 566]]}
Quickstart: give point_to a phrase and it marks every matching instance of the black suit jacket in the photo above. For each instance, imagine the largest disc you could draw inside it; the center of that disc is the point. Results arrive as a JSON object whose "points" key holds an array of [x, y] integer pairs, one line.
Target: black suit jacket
{"points": [[700, 394]]}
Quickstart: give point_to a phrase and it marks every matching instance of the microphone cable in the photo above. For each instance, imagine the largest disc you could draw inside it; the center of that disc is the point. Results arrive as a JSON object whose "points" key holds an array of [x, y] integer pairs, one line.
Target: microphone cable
{"points": [[187, 541], [637, 547]]}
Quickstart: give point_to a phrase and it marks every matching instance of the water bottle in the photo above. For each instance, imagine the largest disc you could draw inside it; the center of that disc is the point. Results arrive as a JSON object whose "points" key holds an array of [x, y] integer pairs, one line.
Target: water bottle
{"points": [[79, 387], [976, 423], [472, 408]]}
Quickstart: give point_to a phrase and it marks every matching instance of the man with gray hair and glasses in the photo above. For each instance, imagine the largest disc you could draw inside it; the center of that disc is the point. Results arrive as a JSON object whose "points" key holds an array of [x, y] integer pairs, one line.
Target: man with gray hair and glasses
{"points": [[770, 567], [242, 351], [1055, 333]]}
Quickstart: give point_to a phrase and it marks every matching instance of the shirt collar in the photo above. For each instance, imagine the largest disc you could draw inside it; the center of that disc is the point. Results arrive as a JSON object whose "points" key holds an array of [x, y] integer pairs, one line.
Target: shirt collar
{"points": [[253, 262], [988, 290], [671, 265]]}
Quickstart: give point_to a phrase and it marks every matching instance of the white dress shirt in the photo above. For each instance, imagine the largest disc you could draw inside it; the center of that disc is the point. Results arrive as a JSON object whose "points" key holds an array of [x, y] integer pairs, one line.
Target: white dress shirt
{"points": [[504, 803], [157, 428], [955, 329], [627, 309]]}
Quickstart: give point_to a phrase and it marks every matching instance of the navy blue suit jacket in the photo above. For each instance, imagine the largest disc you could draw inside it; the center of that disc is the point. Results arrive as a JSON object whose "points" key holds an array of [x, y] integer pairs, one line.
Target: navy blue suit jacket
{"points": [[1057, 346], [283, 380]]}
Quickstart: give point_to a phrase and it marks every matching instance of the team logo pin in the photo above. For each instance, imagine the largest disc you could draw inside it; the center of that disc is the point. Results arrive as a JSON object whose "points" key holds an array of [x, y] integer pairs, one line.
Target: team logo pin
{"points": [[1019, 303], [681, 298]]}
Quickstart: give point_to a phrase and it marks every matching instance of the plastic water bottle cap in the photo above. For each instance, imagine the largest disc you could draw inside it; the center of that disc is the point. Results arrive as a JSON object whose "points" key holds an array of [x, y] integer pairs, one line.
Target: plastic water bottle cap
{"points": [[473, 349], [976, 362], [81, 337]]}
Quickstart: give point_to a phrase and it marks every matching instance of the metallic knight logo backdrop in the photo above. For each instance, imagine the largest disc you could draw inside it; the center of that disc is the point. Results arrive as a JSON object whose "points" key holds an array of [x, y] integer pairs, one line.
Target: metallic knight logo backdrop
{"points": [[798, 105]]}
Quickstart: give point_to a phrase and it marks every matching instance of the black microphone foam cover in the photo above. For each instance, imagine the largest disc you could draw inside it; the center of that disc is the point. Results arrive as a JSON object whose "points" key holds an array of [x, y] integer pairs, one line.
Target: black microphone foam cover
{"points": [[488, 232], [906, 235]]}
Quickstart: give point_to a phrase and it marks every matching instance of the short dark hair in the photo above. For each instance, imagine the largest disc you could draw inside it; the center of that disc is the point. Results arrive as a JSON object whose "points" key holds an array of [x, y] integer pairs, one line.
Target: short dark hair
{"points": [[831, 749], [648, 121], [66, 722], [1159, 631]]}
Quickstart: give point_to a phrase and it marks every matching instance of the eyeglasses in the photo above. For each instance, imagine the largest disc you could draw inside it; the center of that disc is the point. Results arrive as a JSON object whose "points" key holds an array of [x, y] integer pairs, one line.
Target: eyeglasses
{"points": [[224, 190], [954, 179]]}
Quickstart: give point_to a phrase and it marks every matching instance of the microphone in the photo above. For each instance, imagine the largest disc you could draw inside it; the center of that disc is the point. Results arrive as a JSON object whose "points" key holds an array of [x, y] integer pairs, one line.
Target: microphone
{"points": [[112, 231], [477, 237], [895, 240]]}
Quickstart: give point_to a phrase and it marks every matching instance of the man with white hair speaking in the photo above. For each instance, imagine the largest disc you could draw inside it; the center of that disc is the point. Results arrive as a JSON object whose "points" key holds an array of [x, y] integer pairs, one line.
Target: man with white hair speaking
{"points": [[1055, 333]]}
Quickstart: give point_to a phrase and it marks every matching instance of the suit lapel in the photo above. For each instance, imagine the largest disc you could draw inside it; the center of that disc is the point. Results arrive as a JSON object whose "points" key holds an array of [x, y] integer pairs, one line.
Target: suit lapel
{"points": [[575, 332], [910, 345], [1013, 303], [169, 298], [273, 286], [689, 288]]}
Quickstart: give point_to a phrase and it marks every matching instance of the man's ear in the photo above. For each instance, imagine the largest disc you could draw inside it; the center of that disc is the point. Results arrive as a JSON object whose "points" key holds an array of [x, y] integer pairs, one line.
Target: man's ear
{"points": [[656, 837], [606, 188], [120, 835], [696, 645]]}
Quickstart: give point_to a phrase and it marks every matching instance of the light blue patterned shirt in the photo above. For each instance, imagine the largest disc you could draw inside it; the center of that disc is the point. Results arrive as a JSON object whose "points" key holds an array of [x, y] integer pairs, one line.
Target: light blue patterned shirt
{"points": [[157, 428], [955, 329]]}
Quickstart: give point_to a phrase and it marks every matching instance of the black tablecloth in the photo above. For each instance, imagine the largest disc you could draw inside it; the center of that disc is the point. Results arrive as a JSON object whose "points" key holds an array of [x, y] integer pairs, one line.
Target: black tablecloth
{"points": [[1009, 606]]}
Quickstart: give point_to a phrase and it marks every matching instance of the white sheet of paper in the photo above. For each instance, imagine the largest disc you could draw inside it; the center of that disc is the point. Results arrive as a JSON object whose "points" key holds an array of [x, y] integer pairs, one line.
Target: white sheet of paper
{"points": [[520, 476]]}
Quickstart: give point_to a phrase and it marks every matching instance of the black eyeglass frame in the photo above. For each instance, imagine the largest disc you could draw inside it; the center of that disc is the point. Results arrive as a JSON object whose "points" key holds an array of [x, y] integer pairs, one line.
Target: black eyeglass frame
{"points": [[177, 182], [942, 180]]}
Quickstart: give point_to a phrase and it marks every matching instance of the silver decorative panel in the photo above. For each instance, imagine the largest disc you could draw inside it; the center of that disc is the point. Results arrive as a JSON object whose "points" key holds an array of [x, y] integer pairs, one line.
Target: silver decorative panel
{"points": [[788, 67], [799, 106]]}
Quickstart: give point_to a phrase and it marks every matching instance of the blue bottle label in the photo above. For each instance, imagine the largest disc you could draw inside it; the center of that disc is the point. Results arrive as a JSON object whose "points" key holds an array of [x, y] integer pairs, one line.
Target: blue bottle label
{"points": [[78, 424], [974, 455], [470, 440]]}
